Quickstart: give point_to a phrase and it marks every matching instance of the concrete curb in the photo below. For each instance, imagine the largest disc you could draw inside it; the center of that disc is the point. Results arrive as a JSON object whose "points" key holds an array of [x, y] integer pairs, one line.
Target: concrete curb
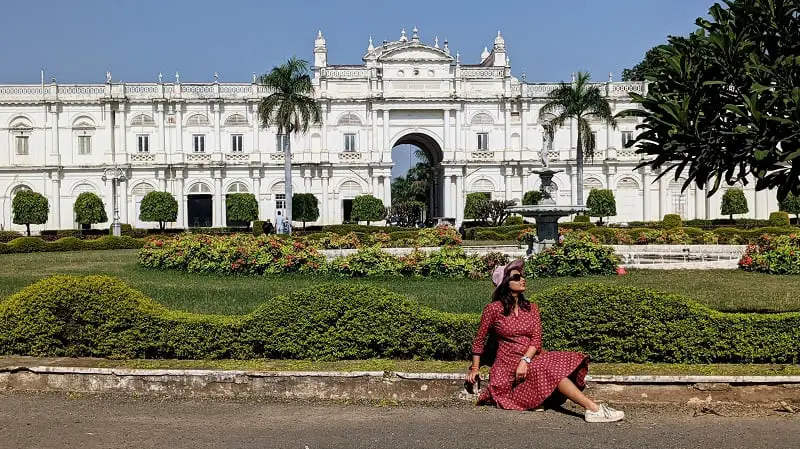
{"points": [[380, 386]]}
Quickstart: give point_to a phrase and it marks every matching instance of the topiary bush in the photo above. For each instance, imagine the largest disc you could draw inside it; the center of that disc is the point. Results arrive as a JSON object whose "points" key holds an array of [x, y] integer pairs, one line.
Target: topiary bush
{"points": [[779, 219], [513, 220], [577, 255], [672, 221], [582, 219]]}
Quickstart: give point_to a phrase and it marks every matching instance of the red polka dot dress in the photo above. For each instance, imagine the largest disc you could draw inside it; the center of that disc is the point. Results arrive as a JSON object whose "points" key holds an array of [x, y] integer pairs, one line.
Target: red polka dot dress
{"points": [[515, 333]]}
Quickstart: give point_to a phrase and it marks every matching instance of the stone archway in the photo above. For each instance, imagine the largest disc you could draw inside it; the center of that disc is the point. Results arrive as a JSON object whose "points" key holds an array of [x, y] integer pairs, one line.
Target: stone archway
{"points": [[433, 152]]}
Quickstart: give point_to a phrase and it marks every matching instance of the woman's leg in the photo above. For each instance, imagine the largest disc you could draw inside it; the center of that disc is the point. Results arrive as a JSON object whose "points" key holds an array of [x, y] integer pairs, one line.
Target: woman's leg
{"points": [[568, 389]]}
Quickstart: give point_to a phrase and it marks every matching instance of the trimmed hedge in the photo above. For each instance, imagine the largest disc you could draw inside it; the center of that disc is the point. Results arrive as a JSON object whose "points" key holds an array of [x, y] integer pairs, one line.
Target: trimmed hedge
{"points": [[35, 244], [99, 316], [7, 236]]}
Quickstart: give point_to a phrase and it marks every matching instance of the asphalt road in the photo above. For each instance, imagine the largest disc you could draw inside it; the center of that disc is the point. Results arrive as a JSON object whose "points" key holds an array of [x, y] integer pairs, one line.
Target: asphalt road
{"points": [[58, 421]]}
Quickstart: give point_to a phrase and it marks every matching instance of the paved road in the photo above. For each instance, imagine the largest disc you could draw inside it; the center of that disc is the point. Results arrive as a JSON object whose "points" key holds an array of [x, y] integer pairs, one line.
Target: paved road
{"points": [[57, 421]]}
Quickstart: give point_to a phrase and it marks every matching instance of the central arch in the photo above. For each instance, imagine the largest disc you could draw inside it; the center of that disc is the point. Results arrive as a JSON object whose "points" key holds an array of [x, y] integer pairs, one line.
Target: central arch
{"points": [[432, 150]]}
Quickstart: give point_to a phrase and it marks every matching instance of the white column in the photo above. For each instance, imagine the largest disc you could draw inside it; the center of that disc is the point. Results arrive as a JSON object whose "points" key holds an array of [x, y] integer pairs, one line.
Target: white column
{"points": [[460, 194], [459, 143], [446, 133], [217, 133], [325, 210], [162, 136], [761, 207], [55, 203], [123, 203], [122, 119], [646, 187], [307, 184], [452, 208], [256, 123], [523, 129], [373, 137], [662, 198], [54, 147], [375, 191], [257, 193], [179, 185], [219, 208], [507, 178], [179, 127], [385, 145], [699, 202], [507, 132]]}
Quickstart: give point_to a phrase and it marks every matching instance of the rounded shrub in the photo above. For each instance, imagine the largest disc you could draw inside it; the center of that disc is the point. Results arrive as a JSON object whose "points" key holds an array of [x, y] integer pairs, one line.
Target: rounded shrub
{"points": [[672, 221], [582, 219], [513, 220], [779, 219], [7, 236]]}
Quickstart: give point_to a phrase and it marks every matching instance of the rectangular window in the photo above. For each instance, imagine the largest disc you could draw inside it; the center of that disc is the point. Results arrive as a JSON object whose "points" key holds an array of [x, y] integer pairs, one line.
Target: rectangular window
{"points": [[236, 143], [282, 142], [84, 145], [594, 139], [22, 145], [627, 136], [349, 142], [199, 143], [280, 201], [143, 143], [483, 141]]}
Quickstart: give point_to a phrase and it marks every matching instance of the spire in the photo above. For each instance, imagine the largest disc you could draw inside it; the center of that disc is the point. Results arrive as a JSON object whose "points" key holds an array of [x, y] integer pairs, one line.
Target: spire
{"points": [[371, 47], [319, 42], [458, 57], [403, 37], [436, 42], [610, 77], [485, 53], [415, 36], [446, 47], [499, 42]]}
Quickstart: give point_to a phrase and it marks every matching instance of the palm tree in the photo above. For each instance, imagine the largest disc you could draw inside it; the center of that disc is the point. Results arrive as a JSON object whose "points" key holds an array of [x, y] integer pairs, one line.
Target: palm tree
{"points": [[290, 107], [580, 101]]}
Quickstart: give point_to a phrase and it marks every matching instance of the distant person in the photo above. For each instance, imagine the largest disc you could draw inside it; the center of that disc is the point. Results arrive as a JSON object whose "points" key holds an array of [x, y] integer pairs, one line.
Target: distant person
{"points": [[279, 223], [524, 375], [268, 227]]}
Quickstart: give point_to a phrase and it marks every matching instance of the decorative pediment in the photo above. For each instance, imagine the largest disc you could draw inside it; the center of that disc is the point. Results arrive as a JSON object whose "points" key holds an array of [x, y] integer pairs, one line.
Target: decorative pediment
{"points": [[415, 52]]}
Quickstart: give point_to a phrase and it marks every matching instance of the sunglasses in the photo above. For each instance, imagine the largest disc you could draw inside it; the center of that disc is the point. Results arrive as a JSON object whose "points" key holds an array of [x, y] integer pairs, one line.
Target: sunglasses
{"points": [[516, 277]]}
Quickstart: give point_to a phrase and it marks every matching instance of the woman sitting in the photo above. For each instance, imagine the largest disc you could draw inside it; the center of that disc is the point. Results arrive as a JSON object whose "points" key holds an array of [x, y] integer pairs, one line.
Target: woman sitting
{"points": [[524, 375]]}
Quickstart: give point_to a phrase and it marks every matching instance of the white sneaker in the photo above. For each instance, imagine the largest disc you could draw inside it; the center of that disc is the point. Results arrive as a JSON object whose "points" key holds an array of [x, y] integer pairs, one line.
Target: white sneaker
{"points": [[605, 414]]}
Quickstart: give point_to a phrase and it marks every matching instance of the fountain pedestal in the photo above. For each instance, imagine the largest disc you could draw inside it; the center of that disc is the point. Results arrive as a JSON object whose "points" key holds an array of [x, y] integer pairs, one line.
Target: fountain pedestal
{"points": [[546, 213]]}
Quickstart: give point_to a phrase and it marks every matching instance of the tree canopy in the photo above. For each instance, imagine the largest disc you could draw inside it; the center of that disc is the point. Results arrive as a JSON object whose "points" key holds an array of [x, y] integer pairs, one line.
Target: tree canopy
{"points": [[159, 206], [241, 208], [726, 105], [29, 208], [89, 209], [368, 208], [305, 207], [791, 204], [733, 203], [601, 203]]}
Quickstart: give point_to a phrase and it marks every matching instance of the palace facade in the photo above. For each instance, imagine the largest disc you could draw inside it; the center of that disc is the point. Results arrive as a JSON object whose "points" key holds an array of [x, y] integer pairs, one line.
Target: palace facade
{"points": [[477, 123]]}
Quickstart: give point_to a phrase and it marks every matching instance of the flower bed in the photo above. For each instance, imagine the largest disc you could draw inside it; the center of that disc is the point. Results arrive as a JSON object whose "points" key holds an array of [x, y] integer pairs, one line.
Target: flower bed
{"points": [[99, 316], [774, 255]]}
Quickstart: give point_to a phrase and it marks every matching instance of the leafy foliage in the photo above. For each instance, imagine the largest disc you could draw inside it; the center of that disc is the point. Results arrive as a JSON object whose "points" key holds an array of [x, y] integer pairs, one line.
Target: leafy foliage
{"points": [[577, 255], [775, 255], [306, 207], [476, 206], [368, 208], [496, 210], [652, 64], [29, 208], [159, 206], [733, 202], [601, 203], [672, 221], [725, 106], [791, 204], [406, 213], [779, 219], [89, 209], [582, 102], [241, 207], [532, 198]]}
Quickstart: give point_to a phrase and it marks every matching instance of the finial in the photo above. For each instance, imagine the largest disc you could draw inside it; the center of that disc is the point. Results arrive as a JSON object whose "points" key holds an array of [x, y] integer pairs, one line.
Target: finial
{"points": [[254, 77], [573, 76], [499, 42], [403, 37], [371, 47], [160, 77], [108, 76], [53, 80], [216, 77], [319, 34], [524, 76], [436, 42], [415, 36], [610, 77], [446, 47], [485, 53], [458, 57], [177, 78]]}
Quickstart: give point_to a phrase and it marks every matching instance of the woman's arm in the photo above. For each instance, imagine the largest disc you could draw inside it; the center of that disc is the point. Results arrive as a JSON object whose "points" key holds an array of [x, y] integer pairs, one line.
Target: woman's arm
{"points": [[487, 320]]}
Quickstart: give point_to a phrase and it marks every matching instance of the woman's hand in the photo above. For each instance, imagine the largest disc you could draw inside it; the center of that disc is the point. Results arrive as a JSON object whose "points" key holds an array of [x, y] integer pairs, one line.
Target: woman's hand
{"points": [[472, 375], [522, 371]]}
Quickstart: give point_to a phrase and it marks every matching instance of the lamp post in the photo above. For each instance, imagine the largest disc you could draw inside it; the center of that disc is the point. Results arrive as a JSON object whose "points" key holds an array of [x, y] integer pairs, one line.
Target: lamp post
{"points": [[115, 174]]}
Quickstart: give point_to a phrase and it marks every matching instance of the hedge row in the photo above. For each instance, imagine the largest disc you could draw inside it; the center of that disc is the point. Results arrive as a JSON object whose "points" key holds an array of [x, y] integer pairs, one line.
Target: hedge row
{"points": [[512, 232], [742, 223], [99, 316], [35, 244], [685, 235]]}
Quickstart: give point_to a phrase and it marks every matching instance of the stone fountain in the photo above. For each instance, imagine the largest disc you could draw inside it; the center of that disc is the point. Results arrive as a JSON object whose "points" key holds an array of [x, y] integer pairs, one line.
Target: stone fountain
{"points": [[546, 213]]}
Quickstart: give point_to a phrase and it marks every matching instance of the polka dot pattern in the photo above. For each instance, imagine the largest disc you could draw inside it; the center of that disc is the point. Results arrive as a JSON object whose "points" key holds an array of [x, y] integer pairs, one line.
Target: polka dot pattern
{"points": [[515, 334]]}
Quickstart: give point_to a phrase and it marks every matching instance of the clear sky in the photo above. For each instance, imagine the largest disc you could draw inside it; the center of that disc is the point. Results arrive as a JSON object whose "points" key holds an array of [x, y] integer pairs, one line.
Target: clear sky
{"points": [[77, 41]]}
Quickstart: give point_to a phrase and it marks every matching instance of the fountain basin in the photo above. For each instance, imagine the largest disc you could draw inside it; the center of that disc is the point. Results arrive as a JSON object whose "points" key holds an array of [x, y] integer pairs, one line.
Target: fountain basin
{"points": [[546, 216]]}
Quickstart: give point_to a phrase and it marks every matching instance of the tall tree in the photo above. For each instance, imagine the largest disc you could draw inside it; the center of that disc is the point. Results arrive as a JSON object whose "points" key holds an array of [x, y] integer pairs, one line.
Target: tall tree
{"points": [[733, 203], [305, 207], [652, 64], [159, 206], [29, 208], [726, 105], [89, 209], [582, 102], [601, 203], [291, 108]]}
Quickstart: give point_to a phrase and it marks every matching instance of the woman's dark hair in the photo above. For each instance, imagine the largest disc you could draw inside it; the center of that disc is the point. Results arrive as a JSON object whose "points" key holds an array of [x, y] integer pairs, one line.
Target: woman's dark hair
{"points": [[503, 294]]}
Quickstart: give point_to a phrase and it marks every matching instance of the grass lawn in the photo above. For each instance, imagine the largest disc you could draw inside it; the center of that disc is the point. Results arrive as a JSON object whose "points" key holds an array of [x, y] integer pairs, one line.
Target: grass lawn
{"points": [[726, 290]]}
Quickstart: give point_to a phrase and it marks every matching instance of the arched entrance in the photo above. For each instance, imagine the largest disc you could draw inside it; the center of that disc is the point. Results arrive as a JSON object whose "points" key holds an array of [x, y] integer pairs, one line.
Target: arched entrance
{"points": [[199, 206], [430, 171]]}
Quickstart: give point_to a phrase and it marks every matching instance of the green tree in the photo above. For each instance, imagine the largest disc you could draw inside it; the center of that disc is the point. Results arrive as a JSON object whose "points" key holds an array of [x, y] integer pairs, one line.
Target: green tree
{"points": [[582, 102], [496, 210], [29, 208], [791, 204], [407, 213], [476, 206], [652, 64], [89, 209], [601, 203], [725, 107], [291, 108], [734, 202], [306, 207], [368, 208], [532, 198], [159, 206], [241, 208]]}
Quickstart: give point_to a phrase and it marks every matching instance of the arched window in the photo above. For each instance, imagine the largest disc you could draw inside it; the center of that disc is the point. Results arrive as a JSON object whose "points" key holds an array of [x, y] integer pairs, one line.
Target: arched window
{"points": [[350, 189], [200, 188], [198, 120], [237, 187], [143, 120], [236, 120], [18, 189], [679, 198], [627, 184], [142, 189], [591, 183], [349, 119], [21, 131], [483, 185], [516, 142], [83, 128], [482, 119], [82, 188]]}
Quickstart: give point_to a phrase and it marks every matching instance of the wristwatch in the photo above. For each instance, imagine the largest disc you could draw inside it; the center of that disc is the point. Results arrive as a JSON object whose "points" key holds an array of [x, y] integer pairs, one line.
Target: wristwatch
{"points": [[526, 359]]}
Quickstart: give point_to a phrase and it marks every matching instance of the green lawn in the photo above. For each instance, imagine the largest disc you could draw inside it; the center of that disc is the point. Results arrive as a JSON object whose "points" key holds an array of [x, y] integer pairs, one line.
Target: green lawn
{"points": [[720, 289]]}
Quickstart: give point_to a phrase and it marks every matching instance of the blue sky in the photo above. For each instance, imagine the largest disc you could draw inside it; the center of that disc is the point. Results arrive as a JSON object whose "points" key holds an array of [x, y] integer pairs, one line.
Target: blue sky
{"points": [[76, 41]]}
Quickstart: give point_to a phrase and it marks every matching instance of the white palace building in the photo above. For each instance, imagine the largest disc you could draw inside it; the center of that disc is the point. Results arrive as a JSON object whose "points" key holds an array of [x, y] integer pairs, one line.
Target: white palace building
{"points": [[200, 141]]}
